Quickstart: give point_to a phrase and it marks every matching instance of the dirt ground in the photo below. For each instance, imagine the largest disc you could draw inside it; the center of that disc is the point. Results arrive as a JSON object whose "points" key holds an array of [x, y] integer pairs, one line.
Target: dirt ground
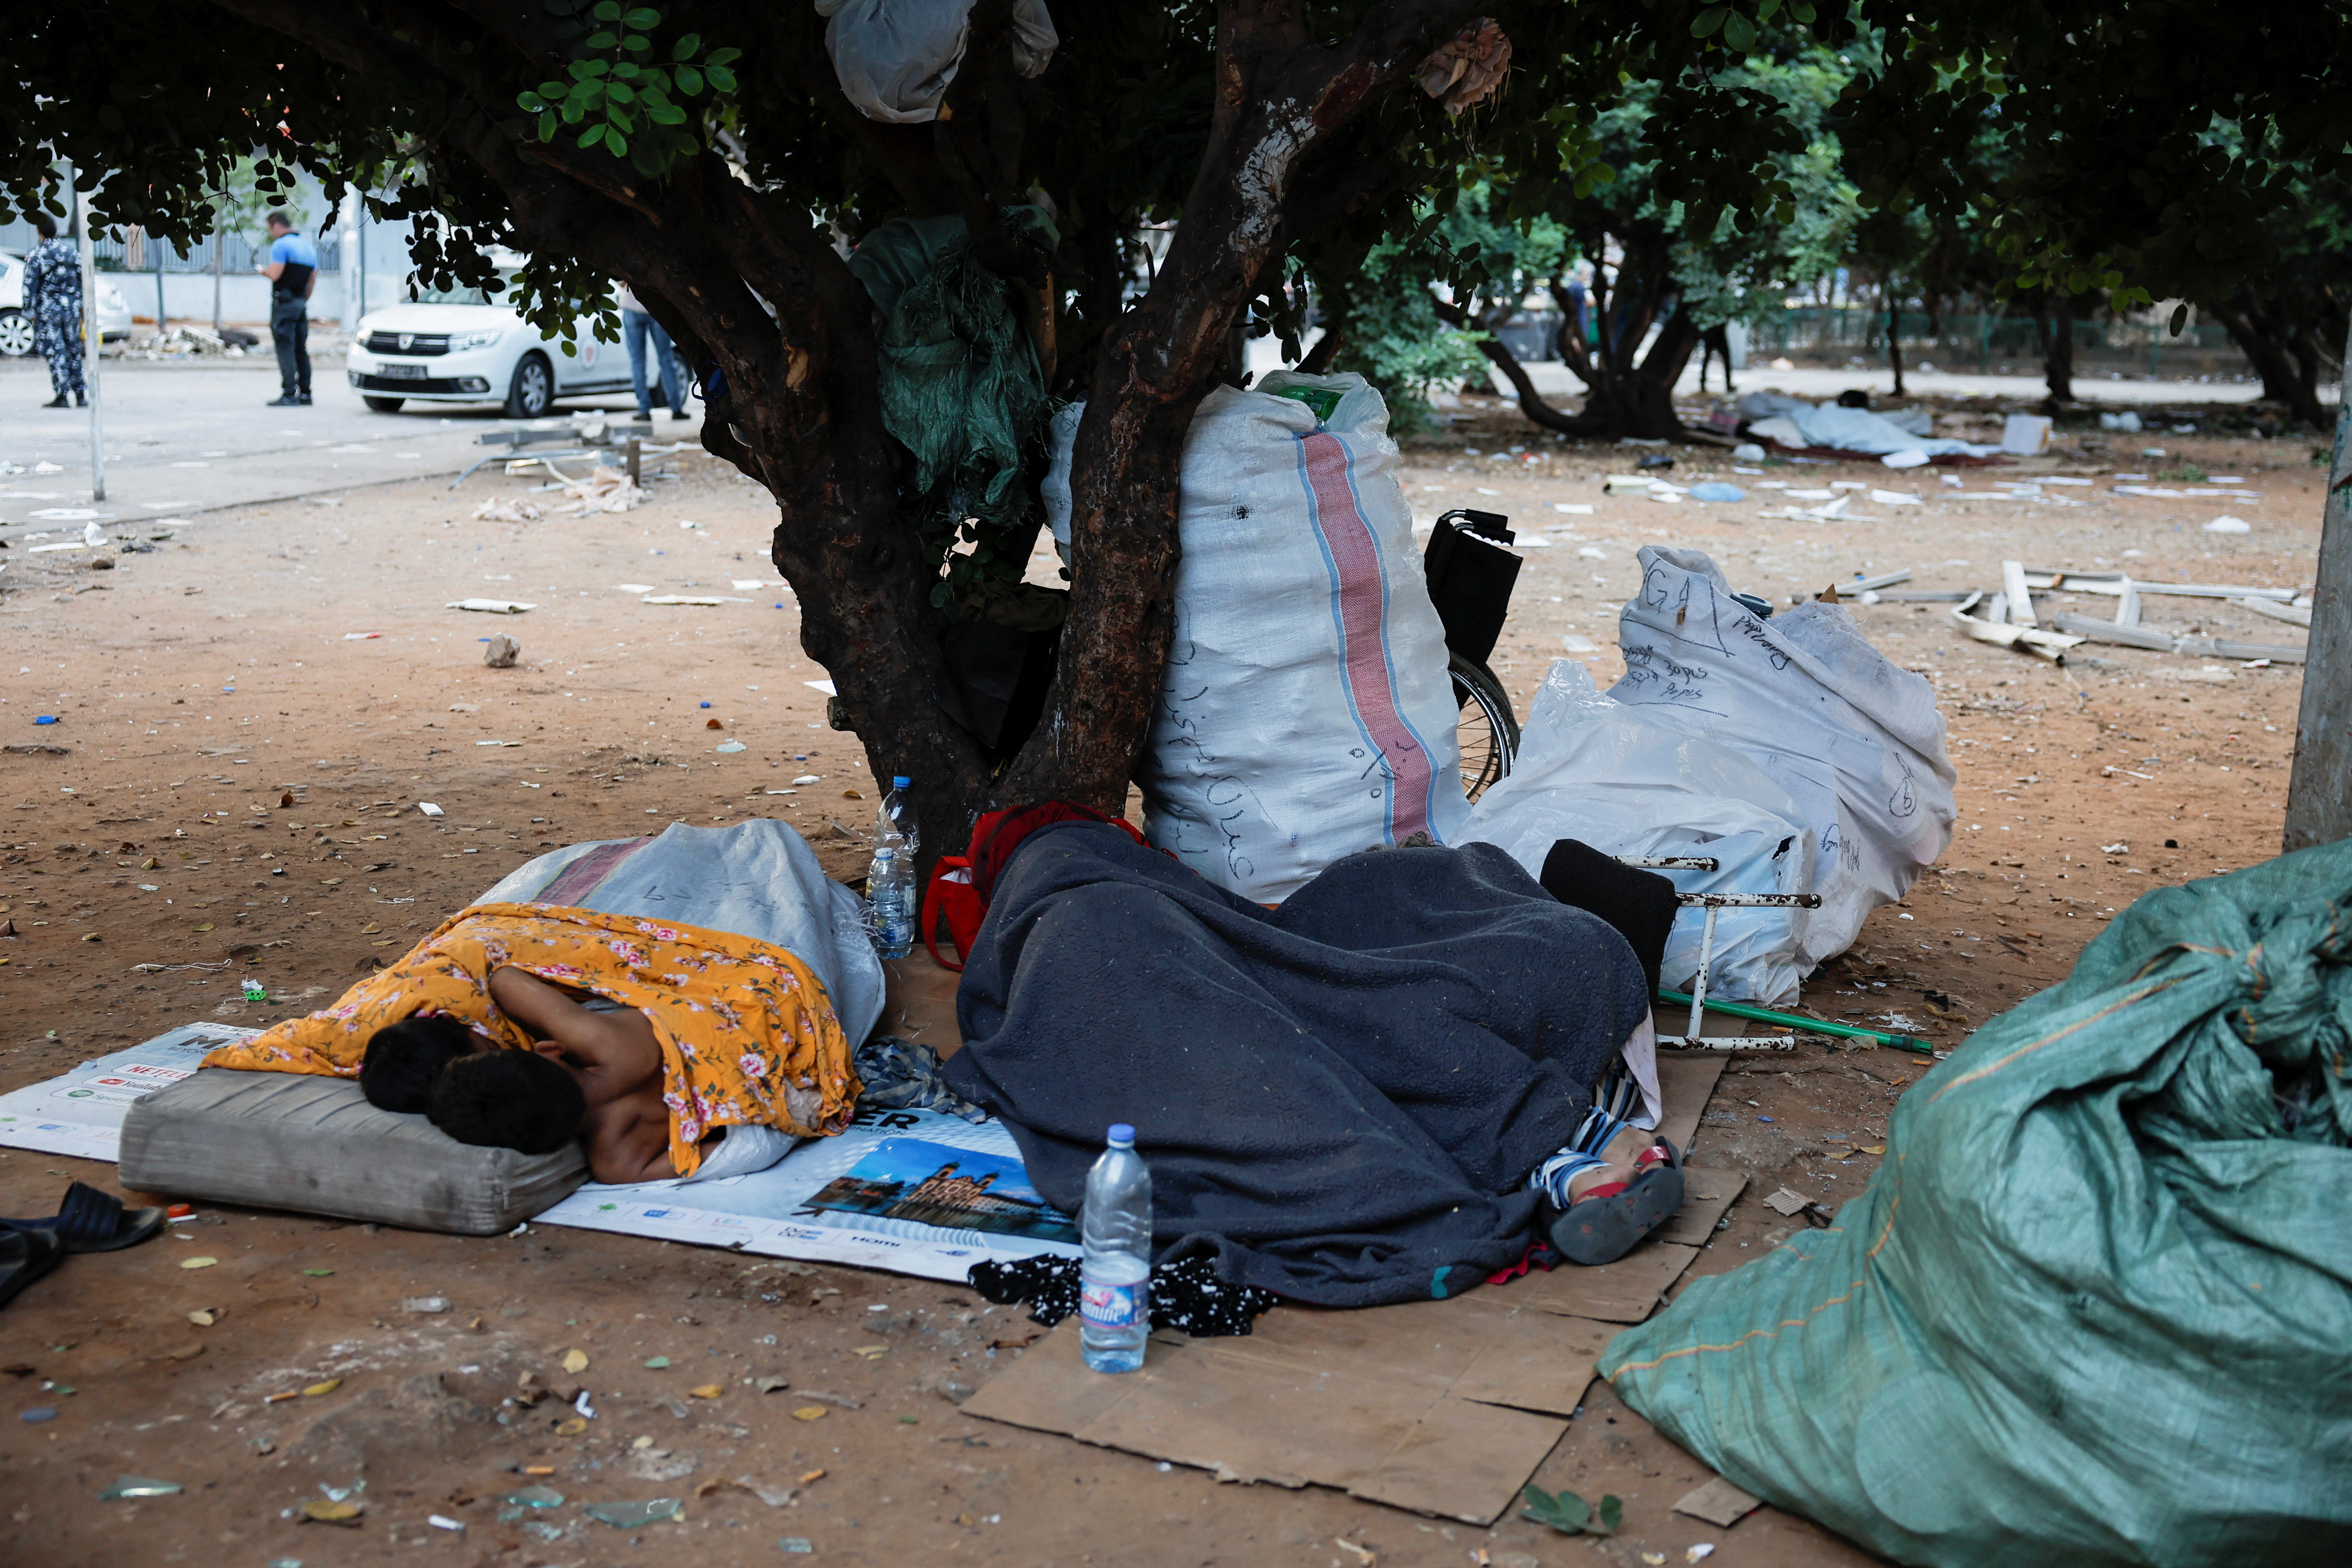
{"points": [[309, 645]]}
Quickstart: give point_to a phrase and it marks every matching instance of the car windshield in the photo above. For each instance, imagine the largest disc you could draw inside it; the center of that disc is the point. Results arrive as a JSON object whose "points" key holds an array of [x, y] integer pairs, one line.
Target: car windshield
{"points": [[426, 295]]}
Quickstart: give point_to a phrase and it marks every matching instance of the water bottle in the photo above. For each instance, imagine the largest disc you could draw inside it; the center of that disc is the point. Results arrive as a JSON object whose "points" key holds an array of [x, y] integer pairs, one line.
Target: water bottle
{"points": [[898, 815], [890, 891], [1114, 1279]]}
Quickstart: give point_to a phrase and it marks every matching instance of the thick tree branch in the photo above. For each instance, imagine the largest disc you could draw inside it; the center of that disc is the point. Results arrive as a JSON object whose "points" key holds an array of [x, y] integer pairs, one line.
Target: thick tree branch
{"points": [[1279, 98], [1531, 403]]}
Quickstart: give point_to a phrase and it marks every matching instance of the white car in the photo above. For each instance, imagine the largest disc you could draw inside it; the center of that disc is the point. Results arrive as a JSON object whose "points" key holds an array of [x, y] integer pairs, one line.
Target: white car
{"points": [[453, 345], [16, 328]]}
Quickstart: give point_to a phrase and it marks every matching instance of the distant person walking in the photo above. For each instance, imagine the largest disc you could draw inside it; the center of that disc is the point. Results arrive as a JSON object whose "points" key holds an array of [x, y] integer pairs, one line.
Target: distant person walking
{"points": [[53, 300], [293, 272], [637, 325]]}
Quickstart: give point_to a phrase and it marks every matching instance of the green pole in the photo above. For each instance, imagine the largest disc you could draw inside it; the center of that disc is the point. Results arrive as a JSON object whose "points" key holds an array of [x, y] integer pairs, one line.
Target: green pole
{"points": [[1802, 1025]]}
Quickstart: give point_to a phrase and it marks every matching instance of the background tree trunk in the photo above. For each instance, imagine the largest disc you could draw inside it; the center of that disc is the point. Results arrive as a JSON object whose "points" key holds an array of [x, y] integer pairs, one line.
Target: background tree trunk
{"points": [[1637, 401], [1895, 337], [2269, 344], [2058, 348]]}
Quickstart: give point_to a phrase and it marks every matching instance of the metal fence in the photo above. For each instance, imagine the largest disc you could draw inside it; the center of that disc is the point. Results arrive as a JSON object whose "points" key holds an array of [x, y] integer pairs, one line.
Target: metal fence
{"points": [[237, 252], [1986, 342]]}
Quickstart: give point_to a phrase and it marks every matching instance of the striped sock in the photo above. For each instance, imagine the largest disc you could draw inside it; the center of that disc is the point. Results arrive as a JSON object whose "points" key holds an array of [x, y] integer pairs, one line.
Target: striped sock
{"points": [[1619, 1092], [1551, 1177]]}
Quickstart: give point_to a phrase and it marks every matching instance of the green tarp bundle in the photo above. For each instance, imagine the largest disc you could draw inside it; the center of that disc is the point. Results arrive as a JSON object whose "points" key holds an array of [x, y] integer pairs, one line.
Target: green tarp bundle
{"points": [[2096, 1305]]}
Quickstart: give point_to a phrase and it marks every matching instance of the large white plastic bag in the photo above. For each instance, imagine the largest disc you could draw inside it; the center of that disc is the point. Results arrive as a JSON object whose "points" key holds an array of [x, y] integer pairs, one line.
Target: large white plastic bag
{"points": [[1306, 713], [1854, 740], [757, 878], [895, 58], [1627, 783]]}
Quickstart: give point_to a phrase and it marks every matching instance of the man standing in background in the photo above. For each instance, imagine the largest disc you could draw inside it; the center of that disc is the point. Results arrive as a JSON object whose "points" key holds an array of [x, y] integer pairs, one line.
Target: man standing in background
{"points": [[636, 327], [293, 272], [53, 301]]}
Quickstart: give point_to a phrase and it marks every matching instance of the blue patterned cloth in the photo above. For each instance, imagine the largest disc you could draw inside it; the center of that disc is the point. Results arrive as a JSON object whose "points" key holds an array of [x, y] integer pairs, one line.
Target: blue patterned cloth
{"points": [[53, 301]]}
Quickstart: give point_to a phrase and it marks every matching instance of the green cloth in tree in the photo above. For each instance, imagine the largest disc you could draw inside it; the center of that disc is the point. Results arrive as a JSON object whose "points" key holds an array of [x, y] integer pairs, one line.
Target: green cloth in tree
{"points": [[2094, 1307], [961, 384]]}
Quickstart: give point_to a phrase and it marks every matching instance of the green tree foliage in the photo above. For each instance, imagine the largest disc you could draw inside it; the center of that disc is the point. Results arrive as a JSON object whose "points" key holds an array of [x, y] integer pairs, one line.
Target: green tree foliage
{"points": [[703, 152]]}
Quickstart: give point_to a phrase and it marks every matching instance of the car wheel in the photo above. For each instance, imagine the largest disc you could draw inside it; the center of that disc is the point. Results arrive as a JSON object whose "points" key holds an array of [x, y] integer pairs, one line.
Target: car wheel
{"points": [[532, 391], [16, 334], [384, 404]]}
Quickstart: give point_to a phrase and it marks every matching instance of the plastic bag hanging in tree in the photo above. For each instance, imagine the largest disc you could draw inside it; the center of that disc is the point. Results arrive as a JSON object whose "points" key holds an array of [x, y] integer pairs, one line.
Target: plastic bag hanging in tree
{"points": [[895, 58]]}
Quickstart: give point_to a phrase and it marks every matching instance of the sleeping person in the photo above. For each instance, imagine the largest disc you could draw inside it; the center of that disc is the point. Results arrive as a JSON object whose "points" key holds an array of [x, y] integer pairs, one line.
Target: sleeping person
{"points": [[593, 1073], [1389, 1088], [673, 1051]]}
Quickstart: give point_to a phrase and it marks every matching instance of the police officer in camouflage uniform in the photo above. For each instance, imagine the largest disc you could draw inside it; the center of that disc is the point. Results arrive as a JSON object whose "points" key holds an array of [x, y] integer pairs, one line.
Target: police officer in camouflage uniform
{"points": [[53, 301]]}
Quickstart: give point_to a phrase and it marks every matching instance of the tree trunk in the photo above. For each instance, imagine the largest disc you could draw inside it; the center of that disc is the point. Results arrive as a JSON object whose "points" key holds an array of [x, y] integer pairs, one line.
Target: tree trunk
{"points": [[1895, 338], [2319, 791], [2058, 349], [2288, 379], [1638, 401], [755, 297]]}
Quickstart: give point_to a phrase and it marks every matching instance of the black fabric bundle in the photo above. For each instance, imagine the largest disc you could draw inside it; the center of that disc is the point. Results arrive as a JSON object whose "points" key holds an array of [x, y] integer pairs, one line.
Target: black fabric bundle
{"points": [[1186, 1295], [1340, 1100], [1640, 904]]}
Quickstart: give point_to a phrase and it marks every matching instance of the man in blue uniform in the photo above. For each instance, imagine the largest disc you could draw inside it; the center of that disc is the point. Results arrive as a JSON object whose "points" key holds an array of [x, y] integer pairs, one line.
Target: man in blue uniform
{"points": [[293, 272], [53, 301]]}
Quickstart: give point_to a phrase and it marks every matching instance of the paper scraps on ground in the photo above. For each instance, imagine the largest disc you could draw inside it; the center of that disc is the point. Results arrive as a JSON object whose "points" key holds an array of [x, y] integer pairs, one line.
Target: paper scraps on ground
{"points": [[1445, 1408], [490, 607], [1718, 1503]]}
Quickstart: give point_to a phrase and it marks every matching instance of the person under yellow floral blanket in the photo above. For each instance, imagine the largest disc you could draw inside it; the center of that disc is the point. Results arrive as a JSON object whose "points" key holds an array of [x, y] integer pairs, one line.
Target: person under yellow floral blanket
{"points": [[745, 1032]]}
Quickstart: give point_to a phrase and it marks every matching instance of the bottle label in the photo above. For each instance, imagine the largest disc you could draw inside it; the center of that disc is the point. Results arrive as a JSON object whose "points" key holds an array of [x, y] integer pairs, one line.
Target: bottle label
{"points": [[1116, 1305]]}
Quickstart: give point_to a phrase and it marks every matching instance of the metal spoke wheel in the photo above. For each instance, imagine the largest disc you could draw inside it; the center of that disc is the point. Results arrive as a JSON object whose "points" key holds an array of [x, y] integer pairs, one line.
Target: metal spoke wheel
{"points": [[1489, 731], [16, 333]]}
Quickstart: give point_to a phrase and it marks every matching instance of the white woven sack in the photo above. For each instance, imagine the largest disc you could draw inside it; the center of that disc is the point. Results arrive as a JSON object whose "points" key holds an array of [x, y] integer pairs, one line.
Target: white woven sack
{"points": [[1307, 711], [1857, 742], [1628, 782]]}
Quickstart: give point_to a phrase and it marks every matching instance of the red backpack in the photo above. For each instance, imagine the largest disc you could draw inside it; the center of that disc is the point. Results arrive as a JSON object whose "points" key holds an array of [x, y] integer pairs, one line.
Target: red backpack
{"points": [[961, 885]]}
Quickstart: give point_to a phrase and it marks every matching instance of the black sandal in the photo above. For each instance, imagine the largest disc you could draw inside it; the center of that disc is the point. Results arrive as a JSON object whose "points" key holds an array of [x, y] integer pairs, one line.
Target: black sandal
{"points": [[1602, 1228], [25, 1256], [92, 1221]]}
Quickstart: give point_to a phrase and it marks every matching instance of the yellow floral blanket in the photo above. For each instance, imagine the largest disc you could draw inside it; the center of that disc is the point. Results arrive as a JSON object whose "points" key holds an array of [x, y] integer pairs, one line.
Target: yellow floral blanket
{"points": [[748, 1034]]}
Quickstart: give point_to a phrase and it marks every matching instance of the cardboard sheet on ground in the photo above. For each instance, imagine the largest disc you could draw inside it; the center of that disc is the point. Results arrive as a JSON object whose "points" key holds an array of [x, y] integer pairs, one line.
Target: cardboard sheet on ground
{"points": [[1443, 1407], [81, 1112]]}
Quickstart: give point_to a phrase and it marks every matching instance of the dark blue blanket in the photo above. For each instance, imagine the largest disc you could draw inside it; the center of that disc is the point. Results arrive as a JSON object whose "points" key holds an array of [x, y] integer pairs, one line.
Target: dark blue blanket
{"points": [[1341, 1099]]}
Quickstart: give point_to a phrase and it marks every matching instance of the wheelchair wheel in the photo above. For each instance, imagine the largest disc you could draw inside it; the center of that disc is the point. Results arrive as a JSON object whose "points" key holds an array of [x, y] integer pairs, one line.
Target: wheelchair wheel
{"points": [[1489, 731]]}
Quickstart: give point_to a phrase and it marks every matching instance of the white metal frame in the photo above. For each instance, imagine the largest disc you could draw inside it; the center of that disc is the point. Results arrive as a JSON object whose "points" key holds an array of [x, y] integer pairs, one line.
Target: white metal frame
{"points": [[1711, 902]]}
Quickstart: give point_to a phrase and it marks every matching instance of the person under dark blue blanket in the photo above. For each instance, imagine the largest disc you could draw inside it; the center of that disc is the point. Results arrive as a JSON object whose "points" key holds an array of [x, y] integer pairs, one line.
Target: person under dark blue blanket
{"points": [[1384, 1089]]}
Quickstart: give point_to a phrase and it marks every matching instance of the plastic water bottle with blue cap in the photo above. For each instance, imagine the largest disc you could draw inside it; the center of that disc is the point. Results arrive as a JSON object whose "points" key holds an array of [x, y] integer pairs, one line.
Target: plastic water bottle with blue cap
{"points": [[1115, 1277], [890, 898], [897, 816]]}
